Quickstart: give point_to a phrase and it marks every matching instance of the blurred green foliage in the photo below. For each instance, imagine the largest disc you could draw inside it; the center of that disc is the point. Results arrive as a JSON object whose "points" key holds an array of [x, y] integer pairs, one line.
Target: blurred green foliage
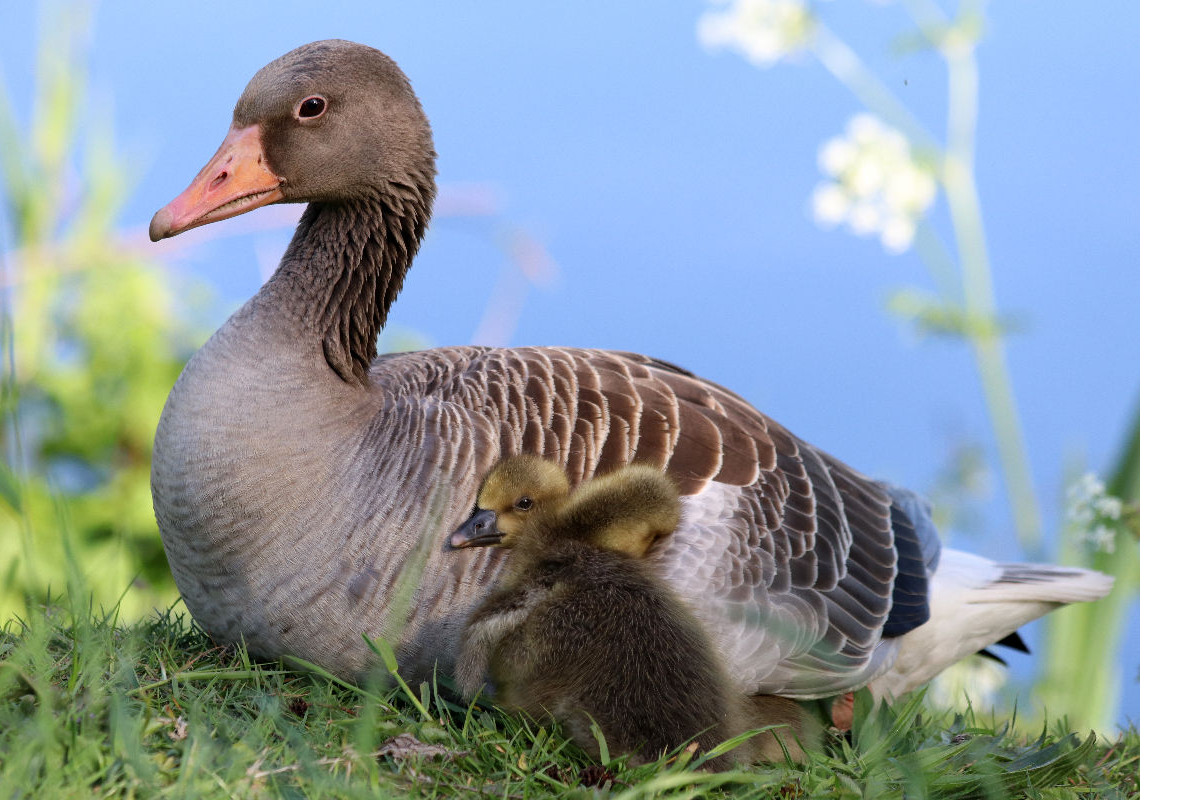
{"points": [[1082, 643], [92, 345]]}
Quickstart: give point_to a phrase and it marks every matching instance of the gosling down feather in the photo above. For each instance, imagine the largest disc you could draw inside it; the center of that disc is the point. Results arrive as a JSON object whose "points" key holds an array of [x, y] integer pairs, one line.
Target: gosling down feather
{"points": [[578, 627], [296, 472]]}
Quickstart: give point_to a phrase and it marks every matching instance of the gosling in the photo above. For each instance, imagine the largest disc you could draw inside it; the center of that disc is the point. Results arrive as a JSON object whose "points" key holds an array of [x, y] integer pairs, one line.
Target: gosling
{"points": [[578, 628]]}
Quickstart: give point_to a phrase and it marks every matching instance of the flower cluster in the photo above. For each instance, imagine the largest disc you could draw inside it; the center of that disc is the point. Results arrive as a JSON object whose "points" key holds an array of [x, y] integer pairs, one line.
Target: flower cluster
{"points": [[762, 31], [877, 187], [1094, 514]]}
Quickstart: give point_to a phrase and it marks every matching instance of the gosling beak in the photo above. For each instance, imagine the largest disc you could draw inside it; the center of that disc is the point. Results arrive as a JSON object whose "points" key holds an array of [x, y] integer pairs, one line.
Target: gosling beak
{"points": [[234, 181], [479, 531]]}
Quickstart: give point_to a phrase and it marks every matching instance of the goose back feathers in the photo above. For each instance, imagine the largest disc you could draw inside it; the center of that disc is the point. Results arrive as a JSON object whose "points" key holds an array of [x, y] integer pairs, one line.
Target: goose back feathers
{"points": [[295, 473]]}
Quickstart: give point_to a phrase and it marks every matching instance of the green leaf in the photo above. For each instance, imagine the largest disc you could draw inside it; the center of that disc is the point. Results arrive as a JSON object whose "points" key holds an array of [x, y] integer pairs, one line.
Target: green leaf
{"points": [[10, 489], [933, 316], [601, 743], [385, 652]]}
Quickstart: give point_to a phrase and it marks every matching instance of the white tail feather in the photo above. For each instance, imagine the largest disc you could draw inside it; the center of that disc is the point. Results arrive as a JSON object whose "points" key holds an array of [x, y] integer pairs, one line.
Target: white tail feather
{"points": [[975, 602]]}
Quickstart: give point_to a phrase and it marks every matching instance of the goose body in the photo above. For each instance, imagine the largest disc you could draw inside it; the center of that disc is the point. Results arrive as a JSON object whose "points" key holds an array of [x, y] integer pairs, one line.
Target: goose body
{"points": [[295, 472]]}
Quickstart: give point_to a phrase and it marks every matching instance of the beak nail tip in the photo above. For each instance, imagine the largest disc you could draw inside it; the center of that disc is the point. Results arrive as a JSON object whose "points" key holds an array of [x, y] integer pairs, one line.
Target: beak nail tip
{"points": [[160, 226]]}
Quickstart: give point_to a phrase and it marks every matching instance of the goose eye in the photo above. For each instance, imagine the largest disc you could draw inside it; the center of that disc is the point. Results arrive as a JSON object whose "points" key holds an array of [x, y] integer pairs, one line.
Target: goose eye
{"points": [[311, 107], [524, 504]]}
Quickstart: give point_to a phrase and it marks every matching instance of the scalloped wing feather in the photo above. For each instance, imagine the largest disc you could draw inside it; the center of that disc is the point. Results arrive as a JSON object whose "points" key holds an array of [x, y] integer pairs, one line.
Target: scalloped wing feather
{"points": [[786, 553]]}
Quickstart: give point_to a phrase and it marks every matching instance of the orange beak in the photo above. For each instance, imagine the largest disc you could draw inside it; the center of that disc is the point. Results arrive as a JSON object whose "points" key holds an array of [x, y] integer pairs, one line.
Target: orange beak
{"points": [[233, 182]]}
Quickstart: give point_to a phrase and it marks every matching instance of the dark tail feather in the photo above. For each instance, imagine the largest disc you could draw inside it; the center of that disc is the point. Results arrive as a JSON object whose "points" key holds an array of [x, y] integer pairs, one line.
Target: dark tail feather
{"points": [[1013, 642], [990, 655]]}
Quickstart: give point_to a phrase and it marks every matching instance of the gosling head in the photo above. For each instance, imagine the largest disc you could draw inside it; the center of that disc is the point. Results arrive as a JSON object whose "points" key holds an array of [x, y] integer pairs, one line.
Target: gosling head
{"points": [[624, 511], [512, 492]]}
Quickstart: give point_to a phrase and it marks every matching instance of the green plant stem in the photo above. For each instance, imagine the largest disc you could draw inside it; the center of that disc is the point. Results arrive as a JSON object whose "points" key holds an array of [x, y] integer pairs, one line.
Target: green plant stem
{"points": [[207, 675], [1098, 628], [962, 197], [845, 65], [927, 14], [10, 429], [1088, 632], [940, 262]]}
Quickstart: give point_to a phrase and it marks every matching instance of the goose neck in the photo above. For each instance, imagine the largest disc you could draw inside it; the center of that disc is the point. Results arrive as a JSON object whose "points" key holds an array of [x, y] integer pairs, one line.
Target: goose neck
{"points": [[343, 270]]}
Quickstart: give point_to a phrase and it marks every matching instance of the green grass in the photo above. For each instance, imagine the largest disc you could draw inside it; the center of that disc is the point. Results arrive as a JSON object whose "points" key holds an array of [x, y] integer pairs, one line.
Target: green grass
{"points": [[93, 708]]}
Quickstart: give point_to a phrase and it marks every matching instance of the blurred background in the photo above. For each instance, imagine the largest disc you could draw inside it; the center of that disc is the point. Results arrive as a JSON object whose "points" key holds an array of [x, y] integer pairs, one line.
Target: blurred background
{"points": [[908, 231]]}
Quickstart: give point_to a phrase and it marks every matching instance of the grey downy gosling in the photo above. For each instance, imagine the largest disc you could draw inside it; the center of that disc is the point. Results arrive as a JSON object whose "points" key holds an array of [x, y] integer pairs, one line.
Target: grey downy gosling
{"points": [[579, 628]]}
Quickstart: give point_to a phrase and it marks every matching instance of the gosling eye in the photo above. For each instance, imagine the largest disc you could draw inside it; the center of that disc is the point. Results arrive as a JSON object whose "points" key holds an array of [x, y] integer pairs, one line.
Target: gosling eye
{"points": [[524, 504], [311, 107]]}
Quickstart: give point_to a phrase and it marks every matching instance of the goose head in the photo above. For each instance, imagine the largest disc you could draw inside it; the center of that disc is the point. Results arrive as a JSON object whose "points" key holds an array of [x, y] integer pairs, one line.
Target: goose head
{"points": [[512, 492], [331, 121]]}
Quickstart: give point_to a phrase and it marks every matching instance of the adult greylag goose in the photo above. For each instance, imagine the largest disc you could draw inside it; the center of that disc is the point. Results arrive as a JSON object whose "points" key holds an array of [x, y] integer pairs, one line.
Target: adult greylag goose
{"points": [[295, 472]]}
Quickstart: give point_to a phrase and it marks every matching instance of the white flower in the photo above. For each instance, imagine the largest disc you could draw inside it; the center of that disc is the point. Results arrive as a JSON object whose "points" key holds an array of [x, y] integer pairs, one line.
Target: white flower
{"points": [[866, 177], [897, 234], [909, 189], [1102, 538], [864, 129], [1092, 514], [763, 31], [865, 218], [836, 156], [831, 204], [883, 190]]}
